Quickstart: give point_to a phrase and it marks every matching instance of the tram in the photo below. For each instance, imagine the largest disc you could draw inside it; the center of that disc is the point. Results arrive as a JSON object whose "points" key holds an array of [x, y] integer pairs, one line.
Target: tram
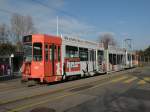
{"points": [[50, 58]]}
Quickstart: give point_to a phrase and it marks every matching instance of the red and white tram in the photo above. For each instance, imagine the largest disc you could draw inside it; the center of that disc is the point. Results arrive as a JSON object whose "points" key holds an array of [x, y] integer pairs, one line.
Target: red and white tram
{"points": [[50, 58]]}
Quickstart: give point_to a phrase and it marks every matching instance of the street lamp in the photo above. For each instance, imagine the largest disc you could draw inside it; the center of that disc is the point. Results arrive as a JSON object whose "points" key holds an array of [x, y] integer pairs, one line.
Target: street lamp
{"points": [[11, 63]]}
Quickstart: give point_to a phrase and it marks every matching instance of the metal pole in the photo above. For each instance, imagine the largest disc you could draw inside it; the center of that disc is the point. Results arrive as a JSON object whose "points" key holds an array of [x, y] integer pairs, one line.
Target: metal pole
{"points": [[107, 59], [126, 59], [144, 60], [112, 61], [10, 64], [116, 62], [131, 59], [140, 60], [57, 25]]}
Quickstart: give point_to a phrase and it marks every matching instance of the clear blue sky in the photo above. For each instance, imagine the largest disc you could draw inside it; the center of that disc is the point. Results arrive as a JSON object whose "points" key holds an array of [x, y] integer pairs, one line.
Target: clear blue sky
{"points": [[87, 18]]}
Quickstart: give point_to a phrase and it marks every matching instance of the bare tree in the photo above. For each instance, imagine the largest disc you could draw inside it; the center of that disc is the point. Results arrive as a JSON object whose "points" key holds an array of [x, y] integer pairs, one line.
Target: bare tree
{"points": [[108, 39], [6, 47], [20, 26], [4, 33]]}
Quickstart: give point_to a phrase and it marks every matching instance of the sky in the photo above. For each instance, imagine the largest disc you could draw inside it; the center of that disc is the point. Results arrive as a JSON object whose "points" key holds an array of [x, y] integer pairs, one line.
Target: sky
{"points": [[87, 19]]}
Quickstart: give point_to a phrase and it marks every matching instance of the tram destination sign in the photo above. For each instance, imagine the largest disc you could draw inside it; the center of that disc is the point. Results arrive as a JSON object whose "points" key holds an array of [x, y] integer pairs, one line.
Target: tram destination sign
{"points": [[27, 38]]}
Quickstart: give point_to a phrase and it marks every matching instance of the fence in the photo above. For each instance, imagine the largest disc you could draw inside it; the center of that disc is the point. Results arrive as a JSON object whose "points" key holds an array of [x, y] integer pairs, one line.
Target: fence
{"points": [[10, 67], [144, 61]]}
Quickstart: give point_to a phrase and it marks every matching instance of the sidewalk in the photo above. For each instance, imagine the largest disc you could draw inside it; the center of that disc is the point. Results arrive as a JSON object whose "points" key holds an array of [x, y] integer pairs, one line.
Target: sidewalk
{"points": [[9, 77]]}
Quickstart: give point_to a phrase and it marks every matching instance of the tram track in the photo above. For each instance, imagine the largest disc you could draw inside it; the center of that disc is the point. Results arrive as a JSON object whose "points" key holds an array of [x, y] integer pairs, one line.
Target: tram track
{"points": [[104, 78], [18, 88], [9, 88], [17, 85]]}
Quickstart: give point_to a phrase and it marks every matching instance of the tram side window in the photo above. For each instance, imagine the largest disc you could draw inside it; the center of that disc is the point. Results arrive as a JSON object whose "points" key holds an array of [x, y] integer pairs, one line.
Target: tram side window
{"points": [[37, 51], [46, 52], [55, 53], [58, 53], [91, 55], [100, 57], [94, 55], [50, 52], [114, 59], [83, 54], [71, 51], [129, 57]]}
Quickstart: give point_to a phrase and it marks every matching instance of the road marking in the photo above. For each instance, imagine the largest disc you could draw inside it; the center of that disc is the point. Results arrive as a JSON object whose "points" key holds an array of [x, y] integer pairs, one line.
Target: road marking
{"points": [[119, 79], [3, 84], [144, 81], [147, 78], [130, 80], [29, 105], [141, 82], [41, 102], [23, 98], [48, 100]]}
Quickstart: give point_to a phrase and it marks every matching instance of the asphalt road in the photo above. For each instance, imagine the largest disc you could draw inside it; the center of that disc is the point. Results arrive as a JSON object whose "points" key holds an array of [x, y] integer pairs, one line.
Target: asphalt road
{"points": [[127, 91]]}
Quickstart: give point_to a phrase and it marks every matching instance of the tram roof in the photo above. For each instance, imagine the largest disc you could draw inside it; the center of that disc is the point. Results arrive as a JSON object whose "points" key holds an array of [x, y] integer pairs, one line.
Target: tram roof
{"points": [[81, 42], [46, 38]]}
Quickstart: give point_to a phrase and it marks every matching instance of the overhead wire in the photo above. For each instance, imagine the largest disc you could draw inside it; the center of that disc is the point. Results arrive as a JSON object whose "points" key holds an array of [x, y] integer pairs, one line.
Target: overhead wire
{"points": [[53, 8]]}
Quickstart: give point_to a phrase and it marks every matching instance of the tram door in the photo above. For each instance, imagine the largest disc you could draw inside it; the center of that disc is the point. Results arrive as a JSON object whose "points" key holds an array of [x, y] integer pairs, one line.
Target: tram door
{"points": [[54, 59], [46, 61], [49, 60]]}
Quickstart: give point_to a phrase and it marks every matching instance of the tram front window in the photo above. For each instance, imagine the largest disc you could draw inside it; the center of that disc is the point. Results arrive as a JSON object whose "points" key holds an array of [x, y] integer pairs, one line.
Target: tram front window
{"points": [[37, 51], [28, 52]]}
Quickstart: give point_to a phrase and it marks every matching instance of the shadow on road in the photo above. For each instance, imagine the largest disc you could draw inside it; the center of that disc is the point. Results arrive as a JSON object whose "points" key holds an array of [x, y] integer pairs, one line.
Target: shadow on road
{"points": [[130, 101], [43, 109], [126, 102]]}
